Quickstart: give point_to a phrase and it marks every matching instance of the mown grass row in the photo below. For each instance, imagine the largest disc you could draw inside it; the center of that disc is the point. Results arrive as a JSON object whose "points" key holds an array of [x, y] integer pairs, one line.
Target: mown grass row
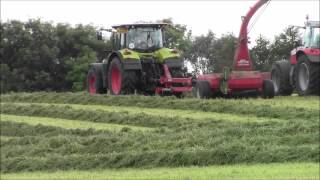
{"points": [[179, 137], [167, 113], [144, 118], [286, 171], [51, 148], [68, 124], [297, 107], [67, 112], [309, 102]]}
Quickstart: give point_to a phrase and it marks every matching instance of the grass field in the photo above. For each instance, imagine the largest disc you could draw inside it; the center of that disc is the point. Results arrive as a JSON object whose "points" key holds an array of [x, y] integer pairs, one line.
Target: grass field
{"points": [[78, 136], [301, 171]]}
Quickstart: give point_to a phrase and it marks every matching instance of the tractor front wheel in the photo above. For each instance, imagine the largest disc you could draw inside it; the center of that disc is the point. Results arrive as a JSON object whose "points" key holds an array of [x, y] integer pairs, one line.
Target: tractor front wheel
{"points": [[307, 76], [280, 76], [121, 81]]}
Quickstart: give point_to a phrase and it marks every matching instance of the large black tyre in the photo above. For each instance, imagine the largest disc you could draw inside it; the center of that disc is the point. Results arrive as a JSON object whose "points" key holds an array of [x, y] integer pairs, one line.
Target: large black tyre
{"points": [[280, 76], [307, 77], [268, 89], [203, 90], [94, 81], [121, 81]]}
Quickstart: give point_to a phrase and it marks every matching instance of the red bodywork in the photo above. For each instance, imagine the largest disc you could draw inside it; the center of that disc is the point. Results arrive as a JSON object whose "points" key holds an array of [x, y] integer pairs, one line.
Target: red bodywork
{"points": [[213, 79], [244, 80], [242, 77], [168, 83], [303, 50]]}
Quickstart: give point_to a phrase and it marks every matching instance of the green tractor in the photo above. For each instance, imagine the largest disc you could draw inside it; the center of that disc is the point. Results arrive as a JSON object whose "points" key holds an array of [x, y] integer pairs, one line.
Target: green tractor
{"points": [[140, 63]]}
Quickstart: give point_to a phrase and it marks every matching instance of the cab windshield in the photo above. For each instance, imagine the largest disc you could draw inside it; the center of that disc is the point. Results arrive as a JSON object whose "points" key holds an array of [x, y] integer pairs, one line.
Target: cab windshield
{"points": [[144, 39], [312, 37]]}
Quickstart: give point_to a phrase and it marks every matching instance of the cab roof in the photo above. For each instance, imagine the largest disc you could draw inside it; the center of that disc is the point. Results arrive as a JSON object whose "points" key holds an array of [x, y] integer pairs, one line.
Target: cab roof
{"points": [[313, 23], [135, 25]]}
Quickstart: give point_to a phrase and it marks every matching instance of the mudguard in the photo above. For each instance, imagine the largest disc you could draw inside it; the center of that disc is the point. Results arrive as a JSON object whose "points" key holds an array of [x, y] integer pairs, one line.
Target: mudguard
{"points": [[312, 54], [129, 61]]}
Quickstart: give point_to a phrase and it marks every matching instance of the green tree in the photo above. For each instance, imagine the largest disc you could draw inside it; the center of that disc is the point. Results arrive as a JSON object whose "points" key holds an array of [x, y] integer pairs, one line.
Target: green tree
{"points": [[283, 43], [225, 48], [79, 47], [261, 54], [29, 51], [211, 54], [37, 55], [203, 53], [265, 53]]}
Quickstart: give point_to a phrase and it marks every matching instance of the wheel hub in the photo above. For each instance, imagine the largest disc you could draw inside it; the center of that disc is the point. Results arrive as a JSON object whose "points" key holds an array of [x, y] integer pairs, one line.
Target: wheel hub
{"points": [[116, 80]]}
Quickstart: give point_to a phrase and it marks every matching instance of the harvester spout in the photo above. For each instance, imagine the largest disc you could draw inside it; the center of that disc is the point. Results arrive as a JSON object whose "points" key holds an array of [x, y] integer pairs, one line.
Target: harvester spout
{"points": [[242, 60]]}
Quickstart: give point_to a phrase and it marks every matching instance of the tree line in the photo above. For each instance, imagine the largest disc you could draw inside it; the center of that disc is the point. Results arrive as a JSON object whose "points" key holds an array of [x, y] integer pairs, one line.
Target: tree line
{"points": [[43, 56]]}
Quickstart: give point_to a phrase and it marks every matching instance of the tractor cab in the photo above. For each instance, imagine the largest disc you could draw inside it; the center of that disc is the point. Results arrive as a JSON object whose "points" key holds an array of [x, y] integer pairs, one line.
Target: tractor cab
{"points": [[312, 34], [138, 37]]}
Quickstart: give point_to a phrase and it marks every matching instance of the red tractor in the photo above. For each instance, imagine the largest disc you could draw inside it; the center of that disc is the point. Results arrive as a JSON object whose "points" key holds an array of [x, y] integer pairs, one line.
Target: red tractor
{"points": [[242, 80], [302, 72]]}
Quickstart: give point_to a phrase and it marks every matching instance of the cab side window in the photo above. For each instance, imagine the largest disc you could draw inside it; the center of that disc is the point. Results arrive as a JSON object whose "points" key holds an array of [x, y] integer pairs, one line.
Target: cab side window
{"points": [[307, 37], [122, 38], [117, 41]]}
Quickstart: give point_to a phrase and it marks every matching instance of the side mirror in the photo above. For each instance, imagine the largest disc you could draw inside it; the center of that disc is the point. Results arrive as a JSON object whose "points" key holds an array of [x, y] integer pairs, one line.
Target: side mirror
{"points": [[99, 35]]}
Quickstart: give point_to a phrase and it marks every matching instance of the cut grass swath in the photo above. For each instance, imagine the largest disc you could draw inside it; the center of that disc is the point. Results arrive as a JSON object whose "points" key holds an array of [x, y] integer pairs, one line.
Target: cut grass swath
{"points": [[192, 132], [67, 124], [156, 112], [52, 148], [268, 108]]}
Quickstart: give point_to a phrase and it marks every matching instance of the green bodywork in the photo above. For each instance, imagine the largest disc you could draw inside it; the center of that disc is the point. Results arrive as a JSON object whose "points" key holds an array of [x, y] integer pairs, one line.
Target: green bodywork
{"points": [[159, 55], [132, 56]]}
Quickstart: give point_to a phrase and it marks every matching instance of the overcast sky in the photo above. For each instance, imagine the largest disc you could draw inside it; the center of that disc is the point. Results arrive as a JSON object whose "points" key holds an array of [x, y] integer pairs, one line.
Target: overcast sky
{"points": [[199, 16]]}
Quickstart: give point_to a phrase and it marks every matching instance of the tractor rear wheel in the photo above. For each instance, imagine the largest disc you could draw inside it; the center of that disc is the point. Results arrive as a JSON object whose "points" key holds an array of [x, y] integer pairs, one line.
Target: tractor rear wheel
{"points": [[94, 81], [121, 81], [267, 89], [307, 76], [203, 90], [280, 76]]}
